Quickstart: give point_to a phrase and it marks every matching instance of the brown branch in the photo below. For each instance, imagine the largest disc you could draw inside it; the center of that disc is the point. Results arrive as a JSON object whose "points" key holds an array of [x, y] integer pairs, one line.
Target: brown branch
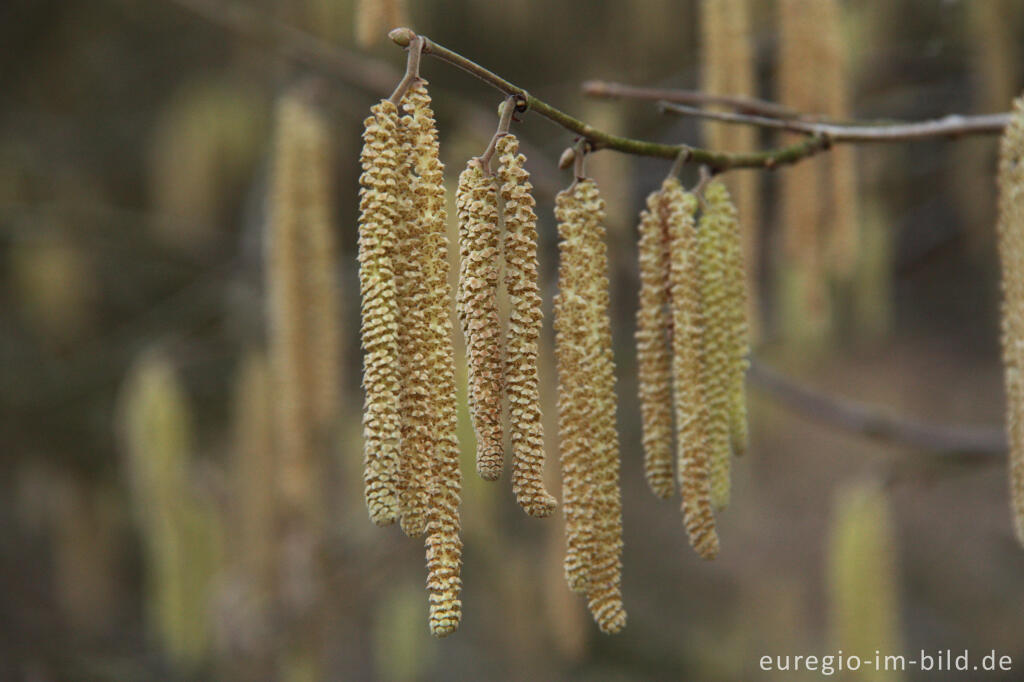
{"points": [[747, 105], [953, 125], [874, 423]]}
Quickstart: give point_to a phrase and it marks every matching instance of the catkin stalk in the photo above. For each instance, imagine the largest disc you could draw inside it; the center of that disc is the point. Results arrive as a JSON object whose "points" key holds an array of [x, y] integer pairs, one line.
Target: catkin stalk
{"points": [[477, 303], [691, 410], [526, 432], [1010, 231], [654, 361], [379, 212]]}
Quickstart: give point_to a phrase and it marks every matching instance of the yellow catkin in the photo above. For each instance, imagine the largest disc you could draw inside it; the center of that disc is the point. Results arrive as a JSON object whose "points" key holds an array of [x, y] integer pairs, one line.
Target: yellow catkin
{"points": [[604, 593], [863, 593], [692, 416], [818, 208], [654, 360], [414, 337], [573, 343], [443, 543], [717, 349], [737, 297], [477, 302], [304, 336], [526, 432], [379, 213], [1011, 254], [729, 64]]}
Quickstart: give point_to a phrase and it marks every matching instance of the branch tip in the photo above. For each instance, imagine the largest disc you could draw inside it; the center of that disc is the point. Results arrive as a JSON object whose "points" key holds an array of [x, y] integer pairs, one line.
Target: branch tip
{"points": [[402, 36]]}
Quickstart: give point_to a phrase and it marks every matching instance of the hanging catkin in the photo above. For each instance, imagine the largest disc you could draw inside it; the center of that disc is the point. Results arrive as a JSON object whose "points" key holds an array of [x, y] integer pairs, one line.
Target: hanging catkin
{"points": [[586, 407], [654, 361], [414, 339], [605, 581], [444, 546], [379, 213], [717, 347], [692, 416], [303, 334], [572, 345], [526, 433], [736, 296], [479, 251], [728, 51], [1011, 254]]}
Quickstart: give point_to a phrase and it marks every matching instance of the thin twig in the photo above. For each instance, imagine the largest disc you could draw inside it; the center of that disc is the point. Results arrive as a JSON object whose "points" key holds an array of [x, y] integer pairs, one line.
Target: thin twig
{"points": [[717, 161], [953, 125], [874, 423], [747, 105]]}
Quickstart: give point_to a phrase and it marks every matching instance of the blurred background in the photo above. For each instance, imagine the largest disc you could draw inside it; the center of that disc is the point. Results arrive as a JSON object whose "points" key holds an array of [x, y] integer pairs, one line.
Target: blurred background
{"points": [[158, 158]]}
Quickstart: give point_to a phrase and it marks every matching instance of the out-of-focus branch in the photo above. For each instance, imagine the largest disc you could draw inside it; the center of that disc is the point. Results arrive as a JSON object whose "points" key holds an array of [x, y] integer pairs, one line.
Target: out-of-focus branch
{"points": [[953, 125], [875, 423]]}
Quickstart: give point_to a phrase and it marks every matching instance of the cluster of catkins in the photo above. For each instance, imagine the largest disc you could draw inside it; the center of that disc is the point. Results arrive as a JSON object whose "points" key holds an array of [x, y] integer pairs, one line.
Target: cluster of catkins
{"points": [[692, 337], [692, 347]]}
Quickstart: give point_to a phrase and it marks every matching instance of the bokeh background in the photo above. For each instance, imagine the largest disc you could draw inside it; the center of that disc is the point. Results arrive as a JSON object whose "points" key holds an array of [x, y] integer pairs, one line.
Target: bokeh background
{"points": [[140, 537]]}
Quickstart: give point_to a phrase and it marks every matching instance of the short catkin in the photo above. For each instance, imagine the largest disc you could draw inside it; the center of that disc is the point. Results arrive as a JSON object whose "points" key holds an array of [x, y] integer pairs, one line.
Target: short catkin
{"points": [[716, 350], [1010, 231], [443, 543], [477, 304], [654, 359], [526, 433], [691, 409], [379, 212]]}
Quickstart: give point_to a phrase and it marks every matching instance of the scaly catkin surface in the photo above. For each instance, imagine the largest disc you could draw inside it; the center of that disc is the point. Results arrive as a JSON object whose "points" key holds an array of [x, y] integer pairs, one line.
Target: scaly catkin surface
{"points": [[654, 360], [737, 298], [573, 351], [604, 591], [717, 347], [379, 213], [477, 303], [526, 433], [1011, 254], [443, 544], [687, 377]]}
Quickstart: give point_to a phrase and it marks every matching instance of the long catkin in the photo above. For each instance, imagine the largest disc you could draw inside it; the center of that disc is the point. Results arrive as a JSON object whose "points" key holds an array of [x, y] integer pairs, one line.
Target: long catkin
{"points": [[654, 360], [526, 433], [443, 543], [1011, 253], [716, 347], [379, 213], [414, 335], [688, 381], [477, 303], [573, 350], [604, 593]]}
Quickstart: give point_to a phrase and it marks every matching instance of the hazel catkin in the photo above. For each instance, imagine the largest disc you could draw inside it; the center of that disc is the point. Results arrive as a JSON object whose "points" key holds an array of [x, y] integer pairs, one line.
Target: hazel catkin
{"points": [[691, 409], [526, 433], [716, 350], [477, 303], [1010, 230], [654, 361], [443, 543], [587, 428], [378, 214]]}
